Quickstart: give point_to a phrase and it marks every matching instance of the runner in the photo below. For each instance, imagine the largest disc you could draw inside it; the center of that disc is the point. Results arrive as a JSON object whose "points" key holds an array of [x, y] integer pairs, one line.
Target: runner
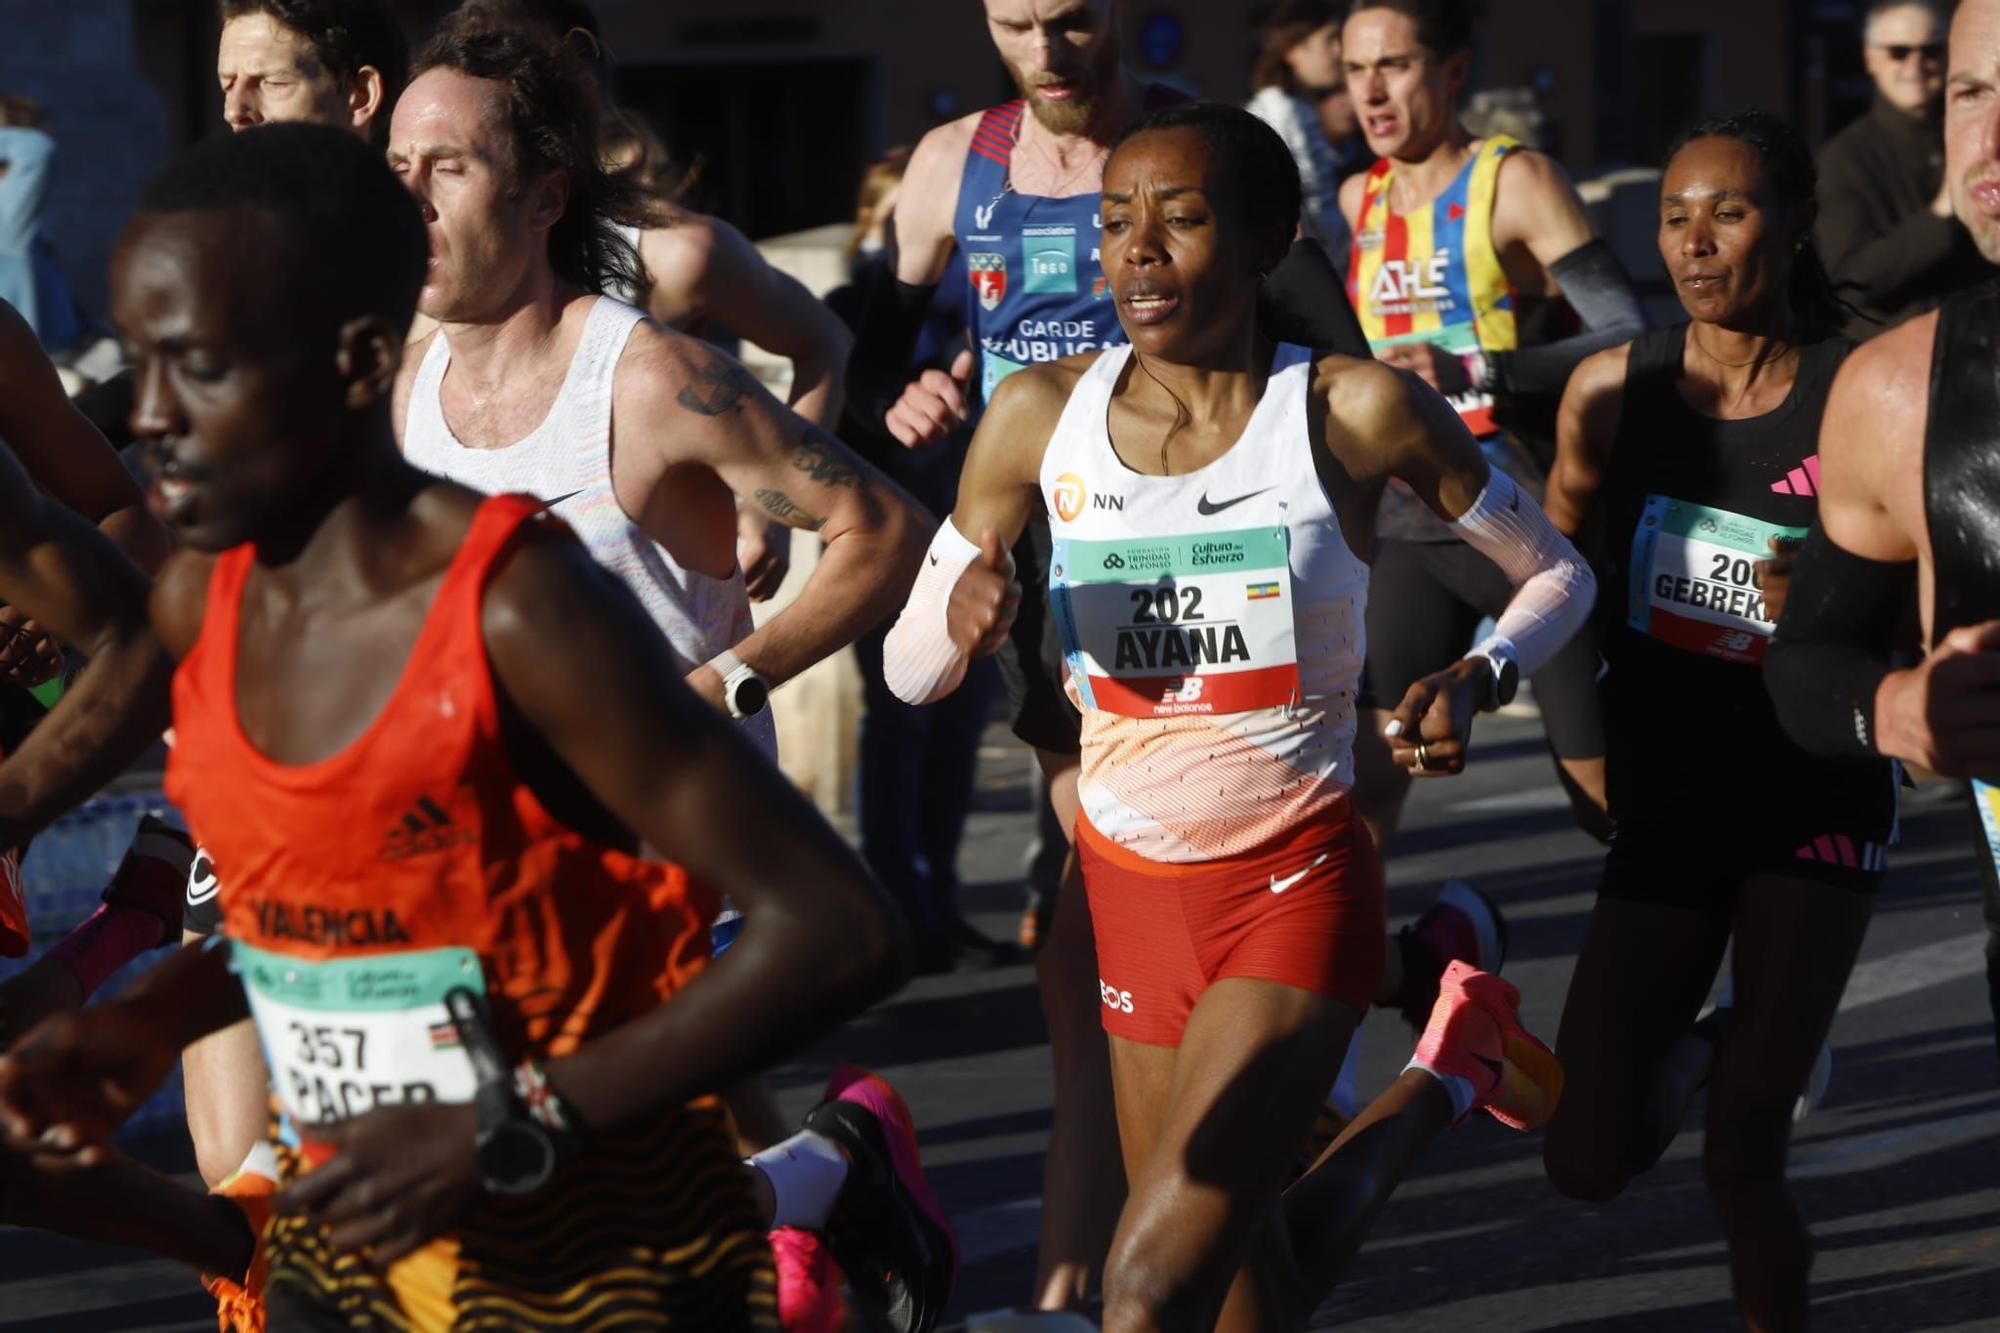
{"points": [[1692, 453], [1015, 189], [1211, 613], [280, 469], [1906, 492], [638, 434], [1457, 240], [324, 62], [698, 269]]}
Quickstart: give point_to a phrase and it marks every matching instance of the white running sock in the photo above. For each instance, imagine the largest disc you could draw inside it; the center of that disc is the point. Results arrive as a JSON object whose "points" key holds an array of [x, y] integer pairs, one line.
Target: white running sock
{"points": [[806, 1172], [1456, 1086]]}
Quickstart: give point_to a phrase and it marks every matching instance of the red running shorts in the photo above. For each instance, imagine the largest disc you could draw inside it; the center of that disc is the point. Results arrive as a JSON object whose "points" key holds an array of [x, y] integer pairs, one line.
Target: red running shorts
{"points": [[1306, 909]]}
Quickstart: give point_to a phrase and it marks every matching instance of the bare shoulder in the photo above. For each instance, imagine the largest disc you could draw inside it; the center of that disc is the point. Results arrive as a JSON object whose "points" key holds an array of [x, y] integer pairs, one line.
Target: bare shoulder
{"points": [[1600, 373], [939, 157], [660, 362], [1530, 171], [1880, 402], [179, 599], [1361, 394], [677, 253], [1036, 395]]}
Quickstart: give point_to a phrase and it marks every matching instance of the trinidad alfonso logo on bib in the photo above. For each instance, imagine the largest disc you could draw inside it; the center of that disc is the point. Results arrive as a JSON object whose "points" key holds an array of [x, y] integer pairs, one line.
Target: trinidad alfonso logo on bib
{"points": [[1171, 626]]}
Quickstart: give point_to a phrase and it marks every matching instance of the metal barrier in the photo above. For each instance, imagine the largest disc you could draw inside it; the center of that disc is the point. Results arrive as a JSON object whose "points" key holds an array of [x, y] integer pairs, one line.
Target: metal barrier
{"points": [[65, 872]]}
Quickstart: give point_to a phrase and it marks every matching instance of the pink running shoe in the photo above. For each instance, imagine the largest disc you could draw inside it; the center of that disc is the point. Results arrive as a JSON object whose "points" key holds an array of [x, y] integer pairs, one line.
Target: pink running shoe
{"points": [[1475, 1033], [887, 1232], [808, 1287]]}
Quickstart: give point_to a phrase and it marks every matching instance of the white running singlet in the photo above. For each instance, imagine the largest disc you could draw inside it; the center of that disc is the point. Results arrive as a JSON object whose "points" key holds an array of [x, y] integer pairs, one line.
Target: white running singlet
{"points": [[1213, 624], [567, 459]]}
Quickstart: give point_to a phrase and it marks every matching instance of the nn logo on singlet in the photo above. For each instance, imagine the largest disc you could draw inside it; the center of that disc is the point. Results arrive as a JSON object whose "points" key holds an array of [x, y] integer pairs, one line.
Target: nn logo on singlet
{"points": [[424, 828]]}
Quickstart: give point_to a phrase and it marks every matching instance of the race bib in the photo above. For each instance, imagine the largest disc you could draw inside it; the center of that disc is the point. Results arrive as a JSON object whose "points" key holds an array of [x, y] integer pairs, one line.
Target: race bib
{"points": [[1986, 799], [1694, 579], [350, 1034], [1474, 405], [1167, 626]]}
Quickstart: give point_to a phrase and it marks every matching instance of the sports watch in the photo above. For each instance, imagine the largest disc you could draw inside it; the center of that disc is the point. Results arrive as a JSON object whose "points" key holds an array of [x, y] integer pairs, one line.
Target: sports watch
{"points": [[1504, 678], [521, 1141], [744, 692]]}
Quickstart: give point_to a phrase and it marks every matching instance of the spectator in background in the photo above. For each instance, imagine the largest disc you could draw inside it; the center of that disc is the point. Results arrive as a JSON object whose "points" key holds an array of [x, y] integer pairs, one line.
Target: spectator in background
{"points": [[917, 763], [1298, 63], [1885, 222], [326, 62], [29, 278]]}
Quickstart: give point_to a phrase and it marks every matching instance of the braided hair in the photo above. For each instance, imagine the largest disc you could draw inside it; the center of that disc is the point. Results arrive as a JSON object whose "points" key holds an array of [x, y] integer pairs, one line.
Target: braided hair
{"points": [[1788, 167]]}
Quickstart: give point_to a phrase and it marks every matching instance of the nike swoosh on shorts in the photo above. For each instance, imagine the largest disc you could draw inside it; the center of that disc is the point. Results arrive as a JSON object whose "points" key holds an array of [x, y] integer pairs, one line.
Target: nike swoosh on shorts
{"points": [[1280, 885]]}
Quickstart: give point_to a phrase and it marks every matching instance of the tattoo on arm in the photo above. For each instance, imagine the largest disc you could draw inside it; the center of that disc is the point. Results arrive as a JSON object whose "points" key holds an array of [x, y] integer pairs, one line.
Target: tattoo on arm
{"points": [[826, 460], [722, 390], [788, 511]]}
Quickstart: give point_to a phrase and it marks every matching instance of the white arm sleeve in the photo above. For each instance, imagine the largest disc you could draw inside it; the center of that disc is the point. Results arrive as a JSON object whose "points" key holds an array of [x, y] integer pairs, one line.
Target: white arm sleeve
{"points": [[919, 661], [1553, 588]]}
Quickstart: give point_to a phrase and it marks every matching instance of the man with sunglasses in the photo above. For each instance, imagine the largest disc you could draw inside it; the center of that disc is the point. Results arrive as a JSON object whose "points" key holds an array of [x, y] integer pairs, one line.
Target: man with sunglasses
{"points": [[1885, 226]]}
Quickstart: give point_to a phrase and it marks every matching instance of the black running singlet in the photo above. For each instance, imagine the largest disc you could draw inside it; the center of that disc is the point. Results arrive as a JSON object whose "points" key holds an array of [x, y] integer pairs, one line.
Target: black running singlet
{"points": [[1962, 509], [1688, 507], [1962, 461]]}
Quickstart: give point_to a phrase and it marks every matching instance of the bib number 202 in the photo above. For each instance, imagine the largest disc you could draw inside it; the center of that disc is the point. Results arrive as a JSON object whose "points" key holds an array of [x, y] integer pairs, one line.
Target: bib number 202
{"points": [[1165, 605]]}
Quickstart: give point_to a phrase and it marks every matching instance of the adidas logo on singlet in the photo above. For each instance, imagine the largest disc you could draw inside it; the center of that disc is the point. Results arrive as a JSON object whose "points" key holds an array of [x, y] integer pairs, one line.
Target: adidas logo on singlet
{"points": [[425, 828]]}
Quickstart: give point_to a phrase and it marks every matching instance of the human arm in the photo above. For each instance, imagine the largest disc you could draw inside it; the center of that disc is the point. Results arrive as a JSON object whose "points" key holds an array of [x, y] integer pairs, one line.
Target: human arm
{"points": [[69, 1084], [1828, 667], [1393, 426], [696, 407], [1536, 211], [703, 266], [926, 410], [68, 576], [966, 595], [1586, 425]]}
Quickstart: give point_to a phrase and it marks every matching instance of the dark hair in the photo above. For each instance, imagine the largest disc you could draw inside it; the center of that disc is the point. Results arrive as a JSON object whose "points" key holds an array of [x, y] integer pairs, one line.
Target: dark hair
{"points": [[20, 111], [1789, 169], [1445, 26], [1262, 177], [345, 35], [551, 109], [566, 22], [348, 229], [1288, 25]]}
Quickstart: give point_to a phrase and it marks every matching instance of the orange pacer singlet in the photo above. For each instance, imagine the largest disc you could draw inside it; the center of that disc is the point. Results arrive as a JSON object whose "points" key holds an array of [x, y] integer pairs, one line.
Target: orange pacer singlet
{"points": [[352, 885]]}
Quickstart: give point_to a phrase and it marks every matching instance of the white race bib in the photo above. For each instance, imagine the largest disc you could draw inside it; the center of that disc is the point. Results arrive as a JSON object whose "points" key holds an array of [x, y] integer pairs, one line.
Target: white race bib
{"points": [[346, 1035], [1167, 626], [1694, 579]]}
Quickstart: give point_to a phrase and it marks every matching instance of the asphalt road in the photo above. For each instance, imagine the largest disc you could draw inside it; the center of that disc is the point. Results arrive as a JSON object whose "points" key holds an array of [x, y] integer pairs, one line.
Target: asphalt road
{"points": [[1897, 1171]]}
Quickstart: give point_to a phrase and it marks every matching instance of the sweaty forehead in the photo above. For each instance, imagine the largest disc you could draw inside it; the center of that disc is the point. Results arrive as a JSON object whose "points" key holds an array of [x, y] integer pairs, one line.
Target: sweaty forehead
{"points": [[1371, 34], [1716, 164], [216, 276], [1975, 38], [1155, 161], [446, 108]]}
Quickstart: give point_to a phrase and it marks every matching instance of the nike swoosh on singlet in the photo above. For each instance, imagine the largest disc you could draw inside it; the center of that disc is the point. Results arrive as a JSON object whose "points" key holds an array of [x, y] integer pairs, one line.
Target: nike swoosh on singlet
{"points": [[1206, 507], [1280, 885], [551, 504]]}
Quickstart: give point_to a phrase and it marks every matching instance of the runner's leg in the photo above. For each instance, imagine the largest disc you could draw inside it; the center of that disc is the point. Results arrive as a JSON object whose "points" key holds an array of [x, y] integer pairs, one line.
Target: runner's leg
{"points": [[1083, 1187], [1223, 1114], [1796, 942], [1640, 980]]}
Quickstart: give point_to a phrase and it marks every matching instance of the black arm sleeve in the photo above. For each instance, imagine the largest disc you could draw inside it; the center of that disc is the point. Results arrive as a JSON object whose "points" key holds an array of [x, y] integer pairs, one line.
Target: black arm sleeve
{"points": [[892, 318], [1305, 302], [1844, 615], [1601, 292]]}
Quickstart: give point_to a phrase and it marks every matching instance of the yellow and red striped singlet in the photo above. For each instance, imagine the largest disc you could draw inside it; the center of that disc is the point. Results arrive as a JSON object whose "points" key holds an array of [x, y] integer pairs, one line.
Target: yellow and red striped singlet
{"points": [[1433, 275]]}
